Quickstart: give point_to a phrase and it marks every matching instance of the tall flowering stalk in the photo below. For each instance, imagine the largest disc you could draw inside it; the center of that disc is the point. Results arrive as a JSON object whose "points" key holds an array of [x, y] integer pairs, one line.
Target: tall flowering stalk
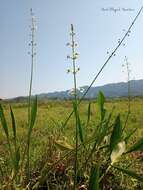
{"points": [[32, 44], [128, 71], [74, 71]]}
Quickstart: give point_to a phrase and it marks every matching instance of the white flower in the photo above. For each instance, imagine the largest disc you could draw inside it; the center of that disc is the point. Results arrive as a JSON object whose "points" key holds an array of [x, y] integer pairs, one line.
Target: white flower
{"points": [[81, 90], [117, 152]]}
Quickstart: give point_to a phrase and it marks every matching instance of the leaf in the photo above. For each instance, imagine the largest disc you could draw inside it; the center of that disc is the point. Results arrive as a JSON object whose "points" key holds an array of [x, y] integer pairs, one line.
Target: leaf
{"points": [[78, 123], [13, 124], [88, 113], [94, 178], [3, 122], [17, 158], [101, 101], [130, 173], [31, 123], [138, 146], [116, 133], [5, 128], [103, 132], [33, 115], [63, 145], [80, 130]]}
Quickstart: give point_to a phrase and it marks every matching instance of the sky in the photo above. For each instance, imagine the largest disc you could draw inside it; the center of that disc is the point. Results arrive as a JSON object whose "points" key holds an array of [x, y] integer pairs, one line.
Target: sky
{"points": [[98, 28]]}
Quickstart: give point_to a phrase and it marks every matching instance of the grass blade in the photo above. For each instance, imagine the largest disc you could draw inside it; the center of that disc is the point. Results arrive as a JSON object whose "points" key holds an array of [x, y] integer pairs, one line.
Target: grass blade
{"points": [[94, 178], [33, 115], [80, 130], [101, 101], [3, 122], [31, 125], [104, 129], [88, 113], [6, 131], [116, 133], [13, 126], [138, 146], [17, 159]]}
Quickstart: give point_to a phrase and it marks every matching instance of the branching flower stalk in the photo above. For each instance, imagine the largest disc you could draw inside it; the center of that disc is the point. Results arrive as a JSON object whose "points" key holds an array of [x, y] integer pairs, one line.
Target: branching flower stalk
{"points": [[74, 71]]}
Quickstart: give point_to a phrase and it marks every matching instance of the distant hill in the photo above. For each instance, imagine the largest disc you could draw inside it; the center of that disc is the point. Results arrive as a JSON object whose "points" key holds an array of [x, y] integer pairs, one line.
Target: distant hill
{"points": [[113, 90]]}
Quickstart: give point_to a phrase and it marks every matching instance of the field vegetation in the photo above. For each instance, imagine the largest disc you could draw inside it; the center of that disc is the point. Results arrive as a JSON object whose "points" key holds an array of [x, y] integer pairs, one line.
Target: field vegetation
{"points": [[50, 142], [72, 145]]}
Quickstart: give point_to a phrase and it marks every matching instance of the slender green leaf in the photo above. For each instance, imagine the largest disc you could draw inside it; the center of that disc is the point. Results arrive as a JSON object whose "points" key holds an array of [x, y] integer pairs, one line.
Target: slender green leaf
{"points": [[94, 178], [5, 128], [80, 130], [78, 123], [3, 121], [101, 101], [13, 125], [88, 113], [17, 158], [116, 133], [31, 125], [104, 129], [102, 134], [33, 115], [130, 173], [138, 146]]}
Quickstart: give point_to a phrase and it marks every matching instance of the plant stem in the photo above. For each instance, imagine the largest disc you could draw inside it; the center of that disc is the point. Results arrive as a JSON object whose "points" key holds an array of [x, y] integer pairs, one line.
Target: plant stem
{"points": [[76, 106], [30, 89], [129, 92]]}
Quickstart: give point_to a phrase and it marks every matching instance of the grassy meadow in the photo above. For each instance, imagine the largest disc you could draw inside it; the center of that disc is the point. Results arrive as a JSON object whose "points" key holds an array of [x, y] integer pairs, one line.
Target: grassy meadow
{"points": [[52, 144], [99, 147]]}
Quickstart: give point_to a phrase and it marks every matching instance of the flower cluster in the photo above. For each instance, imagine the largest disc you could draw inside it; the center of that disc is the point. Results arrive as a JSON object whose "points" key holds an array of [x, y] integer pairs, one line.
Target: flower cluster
{"points": [[126, 68], [74, 55], [79, 90]]}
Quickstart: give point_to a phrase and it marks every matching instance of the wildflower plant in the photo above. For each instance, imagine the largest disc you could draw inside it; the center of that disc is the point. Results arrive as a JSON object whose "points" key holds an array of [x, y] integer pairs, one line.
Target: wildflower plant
{"points": [[102, 151], [20, 156], [126, 68], [32, 44], [74, 70]]}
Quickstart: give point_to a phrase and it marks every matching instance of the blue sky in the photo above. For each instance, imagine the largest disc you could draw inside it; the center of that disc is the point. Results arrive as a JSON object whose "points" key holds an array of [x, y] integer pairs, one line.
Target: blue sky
{"points": [[97, 32]]}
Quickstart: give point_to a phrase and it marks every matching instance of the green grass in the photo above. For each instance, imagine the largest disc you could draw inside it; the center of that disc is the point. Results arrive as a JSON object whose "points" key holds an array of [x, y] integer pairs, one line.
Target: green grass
{"points": [[48, 132]]}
